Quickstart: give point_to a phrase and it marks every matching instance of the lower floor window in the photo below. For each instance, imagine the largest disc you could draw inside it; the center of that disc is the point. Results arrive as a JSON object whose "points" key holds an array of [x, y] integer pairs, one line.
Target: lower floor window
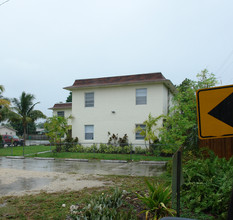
{"points": [[89, 132], [139, 129]]}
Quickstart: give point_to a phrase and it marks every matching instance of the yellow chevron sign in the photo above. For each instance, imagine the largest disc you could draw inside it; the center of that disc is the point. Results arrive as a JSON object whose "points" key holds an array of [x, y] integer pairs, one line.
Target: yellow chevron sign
{"points": [[215, 112]]}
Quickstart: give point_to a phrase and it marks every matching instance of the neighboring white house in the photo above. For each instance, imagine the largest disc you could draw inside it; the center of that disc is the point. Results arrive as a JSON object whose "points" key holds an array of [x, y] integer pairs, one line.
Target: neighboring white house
{"points": [[116, 105], [63, 109], [7, 130]]}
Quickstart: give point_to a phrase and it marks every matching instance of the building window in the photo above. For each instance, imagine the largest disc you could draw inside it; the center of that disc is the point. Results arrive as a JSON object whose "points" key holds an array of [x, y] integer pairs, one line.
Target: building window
{"points": [[61, 113], [89, 99], [138, 135], [89, 132], [141, 96]]}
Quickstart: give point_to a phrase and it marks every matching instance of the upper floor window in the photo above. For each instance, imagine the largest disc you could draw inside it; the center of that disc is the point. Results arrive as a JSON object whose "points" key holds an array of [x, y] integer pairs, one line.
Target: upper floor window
{"points": [[138, 135], [141, 96], [89, 99], [61, 113], [89, 132]]}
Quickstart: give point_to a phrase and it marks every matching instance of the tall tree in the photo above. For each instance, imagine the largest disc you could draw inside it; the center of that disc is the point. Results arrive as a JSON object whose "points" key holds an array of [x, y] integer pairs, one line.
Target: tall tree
{"points": [[4, 104], [24, 111], [69, 98], [180, 127]]}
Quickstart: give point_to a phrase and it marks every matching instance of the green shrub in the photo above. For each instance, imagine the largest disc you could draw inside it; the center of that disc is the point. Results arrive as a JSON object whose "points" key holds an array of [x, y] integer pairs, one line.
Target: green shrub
{"points": [[94, 148], [127, 149], [102, 148], [102, 207], [207, 185], [139, 150], [77, 148]]}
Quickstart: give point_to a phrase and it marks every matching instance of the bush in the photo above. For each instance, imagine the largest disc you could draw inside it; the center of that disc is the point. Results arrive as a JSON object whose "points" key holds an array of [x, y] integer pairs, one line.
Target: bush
{"points": [[77, 148], [127, 149], [117, 141], [207, 185], [102, 148], [140, 150], [93, 148], [101, 207]]}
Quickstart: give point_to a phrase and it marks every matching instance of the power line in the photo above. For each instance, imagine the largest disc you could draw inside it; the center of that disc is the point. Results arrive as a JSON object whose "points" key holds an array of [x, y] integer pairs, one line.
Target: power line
{"points": [[4, 2], [224, 62]]}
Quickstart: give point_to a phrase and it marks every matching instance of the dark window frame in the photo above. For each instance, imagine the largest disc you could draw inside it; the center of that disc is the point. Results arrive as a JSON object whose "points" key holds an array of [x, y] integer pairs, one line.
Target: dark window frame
{"points": [[89, 135], [138, 136]]}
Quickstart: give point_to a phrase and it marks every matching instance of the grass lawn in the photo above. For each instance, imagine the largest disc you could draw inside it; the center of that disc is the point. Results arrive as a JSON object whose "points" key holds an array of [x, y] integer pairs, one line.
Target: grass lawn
{"points": [[102, 156], [49, 206], [18, 151], [33, 150]]}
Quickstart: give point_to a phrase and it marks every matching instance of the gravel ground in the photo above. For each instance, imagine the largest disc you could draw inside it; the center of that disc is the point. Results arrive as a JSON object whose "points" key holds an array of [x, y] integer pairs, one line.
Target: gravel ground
{"points": [[20, 182]]}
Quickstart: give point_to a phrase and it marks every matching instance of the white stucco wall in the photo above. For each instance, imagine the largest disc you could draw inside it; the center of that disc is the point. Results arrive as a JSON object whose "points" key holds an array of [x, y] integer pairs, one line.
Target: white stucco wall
{"points": [[122, 100], [4, 130]]}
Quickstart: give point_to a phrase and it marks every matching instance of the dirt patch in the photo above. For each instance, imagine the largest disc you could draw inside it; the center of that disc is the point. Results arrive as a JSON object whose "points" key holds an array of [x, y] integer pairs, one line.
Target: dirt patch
{"points": [[21, 182]]}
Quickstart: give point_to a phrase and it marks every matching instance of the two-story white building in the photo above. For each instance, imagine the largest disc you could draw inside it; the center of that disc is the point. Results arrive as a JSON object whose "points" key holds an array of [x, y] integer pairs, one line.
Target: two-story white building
{"points": [[116, 105]]}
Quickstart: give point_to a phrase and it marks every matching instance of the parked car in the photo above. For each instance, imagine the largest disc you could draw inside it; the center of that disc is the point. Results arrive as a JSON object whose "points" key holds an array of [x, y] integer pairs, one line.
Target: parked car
{"points": [[11, 140]]}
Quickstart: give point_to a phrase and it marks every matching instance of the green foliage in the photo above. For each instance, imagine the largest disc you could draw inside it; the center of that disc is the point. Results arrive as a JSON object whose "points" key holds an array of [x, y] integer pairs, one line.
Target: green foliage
{"points": [[139, 150], [77, 148], [101, 207], [180, 125], [157, 201], [207, 185], [4, 105], [150, 131], [69, 98], [68, 143], [117, 141], [1, 142], [56, 127], [23, 111], [18, 126]]}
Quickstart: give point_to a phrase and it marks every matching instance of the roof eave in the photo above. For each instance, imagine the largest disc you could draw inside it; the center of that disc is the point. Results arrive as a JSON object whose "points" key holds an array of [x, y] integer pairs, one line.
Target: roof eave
{"points": [[165, 81]]}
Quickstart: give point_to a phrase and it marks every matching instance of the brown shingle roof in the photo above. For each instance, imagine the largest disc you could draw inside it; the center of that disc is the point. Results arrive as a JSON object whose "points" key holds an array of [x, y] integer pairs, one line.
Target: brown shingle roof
{"points": [[117, 80], [62, 105]]}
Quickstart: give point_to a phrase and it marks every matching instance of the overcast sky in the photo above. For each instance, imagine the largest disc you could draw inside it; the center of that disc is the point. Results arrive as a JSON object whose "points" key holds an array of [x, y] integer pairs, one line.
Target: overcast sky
{"points": [[46, 44]]}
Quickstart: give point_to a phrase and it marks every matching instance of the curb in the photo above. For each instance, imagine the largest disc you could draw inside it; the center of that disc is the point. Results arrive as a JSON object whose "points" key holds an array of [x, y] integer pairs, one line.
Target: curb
{"points": [[15, 157], [114, 161], [153, 162], [78, 160], [44, 158]]}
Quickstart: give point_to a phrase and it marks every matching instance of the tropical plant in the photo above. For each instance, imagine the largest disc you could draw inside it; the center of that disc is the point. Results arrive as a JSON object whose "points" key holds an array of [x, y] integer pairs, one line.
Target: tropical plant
{"points": [[101, 207], [56, 128], [157, 201], [115, 140], [207, 185], [150, 131], [180, 125], [23, 111], [4, 104]]}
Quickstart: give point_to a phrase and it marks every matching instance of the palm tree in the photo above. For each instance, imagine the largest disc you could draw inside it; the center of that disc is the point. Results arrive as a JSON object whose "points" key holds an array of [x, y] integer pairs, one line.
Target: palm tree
{"points": [[24, 112], [149, 131], [4, 103]]}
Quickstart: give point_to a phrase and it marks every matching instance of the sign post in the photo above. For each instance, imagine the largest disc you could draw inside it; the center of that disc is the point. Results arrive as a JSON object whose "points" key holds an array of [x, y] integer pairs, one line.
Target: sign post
{"points": [[215, 112]]}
